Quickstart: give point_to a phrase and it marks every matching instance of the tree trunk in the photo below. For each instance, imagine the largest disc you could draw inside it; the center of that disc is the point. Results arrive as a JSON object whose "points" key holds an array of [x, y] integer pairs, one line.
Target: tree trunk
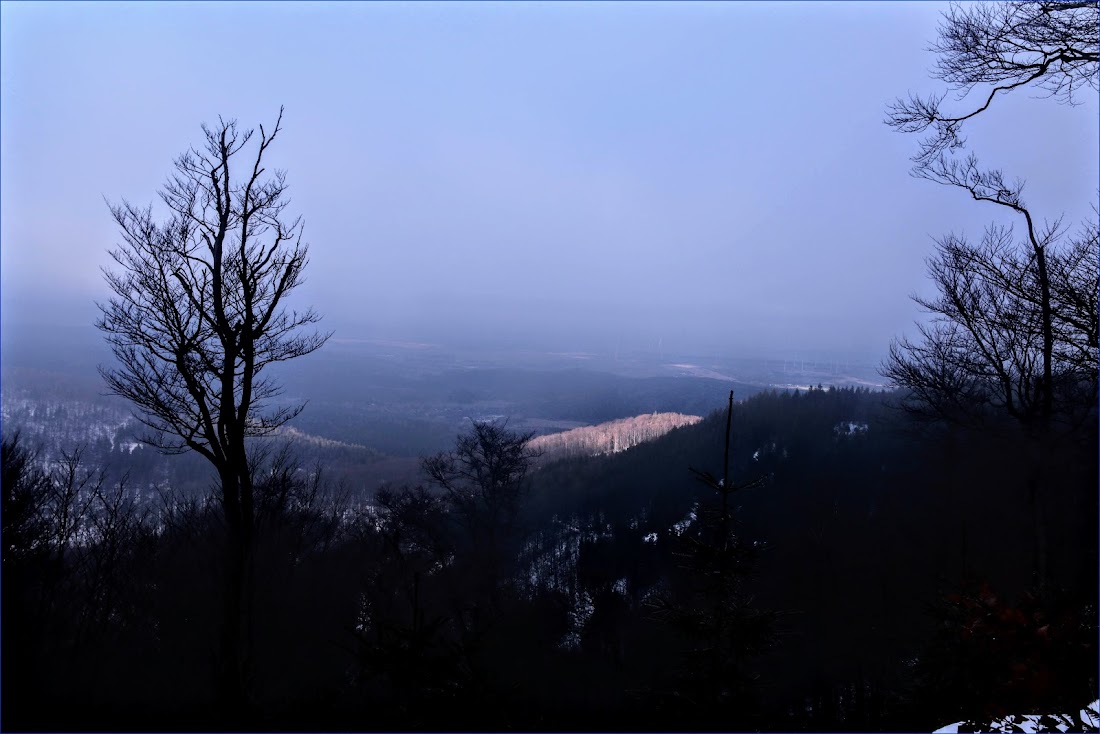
{"points": [[1039, 554], [233, 659], [1048, 335], [231, 692]]}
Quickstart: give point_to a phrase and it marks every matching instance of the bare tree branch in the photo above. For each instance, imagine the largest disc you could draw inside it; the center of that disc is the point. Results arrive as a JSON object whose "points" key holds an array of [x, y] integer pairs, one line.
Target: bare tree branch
{"points": [[999, 47], [198, 312], [984, 349]]}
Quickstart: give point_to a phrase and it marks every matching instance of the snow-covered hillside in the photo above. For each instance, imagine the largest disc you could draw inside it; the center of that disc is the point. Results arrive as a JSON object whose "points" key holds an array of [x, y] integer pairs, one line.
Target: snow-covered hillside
{"points": [[611, 437]]}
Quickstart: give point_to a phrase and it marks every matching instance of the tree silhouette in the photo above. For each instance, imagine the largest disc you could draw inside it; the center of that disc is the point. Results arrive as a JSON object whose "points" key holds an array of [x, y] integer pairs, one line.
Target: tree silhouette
{"points": [[1012, 342], [197, 315], [983, 354], [1004, 46], [998, 341], [26, 489], [483, 481], [1051, 46], [714, 612], [434, 613]]}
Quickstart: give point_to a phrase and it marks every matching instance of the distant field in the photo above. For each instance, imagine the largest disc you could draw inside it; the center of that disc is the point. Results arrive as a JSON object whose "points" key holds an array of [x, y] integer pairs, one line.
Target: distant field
{"points": [[375, 407]]}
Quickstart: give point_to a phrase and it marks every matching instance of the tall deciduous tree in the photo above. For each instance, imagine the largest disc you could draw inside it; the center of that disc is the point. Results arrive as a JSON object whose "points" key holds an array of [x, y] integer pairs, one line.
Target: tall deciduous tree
{"points": [[1007, 335], [484, 481], [992, 49], [198, 314], [982, 354]]}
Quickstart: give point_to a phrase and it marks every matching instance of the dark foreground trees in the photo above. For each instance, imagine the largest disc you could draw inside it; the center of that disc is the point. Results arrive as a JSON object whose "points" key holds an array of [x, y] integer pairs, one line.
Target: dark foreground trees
{"points": [[710, 606], [197, 316], [1011, 348], [439, 609], [73, 543], [109, 620], [1014, 325], [386, 618]]}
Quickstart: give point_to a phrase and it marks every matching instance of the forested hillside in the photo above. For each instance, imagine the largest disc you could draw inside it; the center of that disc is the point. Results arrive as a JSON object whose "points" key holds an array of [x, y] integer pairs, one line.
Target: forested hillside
{"points": [[867, 538], [610, 437], [859, 560]]}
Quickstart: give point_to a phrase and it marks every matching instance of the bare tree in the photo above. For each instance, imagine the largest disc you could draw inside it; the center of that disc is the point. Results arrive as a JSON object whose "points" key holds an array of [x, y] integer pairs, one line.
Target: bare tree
{"points": [[197, 315], [984, 351], [26, 491], [999, 47], [1004, 331], [996, 48], [483, 480], [1074, 298], [1008, 338], [991, 186]]}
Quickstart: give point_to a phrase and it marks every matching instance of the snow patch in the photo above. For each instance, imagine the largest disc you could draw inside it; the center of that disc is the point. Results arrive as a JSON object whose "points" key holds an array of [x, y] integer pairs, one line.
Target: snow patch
{"points": [[1037, 722], [582, 611], [679, 528], [850, 428]]}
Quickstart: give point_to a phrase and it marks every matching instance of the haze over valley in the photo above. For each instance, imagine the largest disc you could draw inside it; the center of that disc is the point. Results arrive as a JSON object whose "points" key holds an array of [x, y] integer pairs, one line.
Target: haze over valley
{"points": [[576, 366], [386, 403]]}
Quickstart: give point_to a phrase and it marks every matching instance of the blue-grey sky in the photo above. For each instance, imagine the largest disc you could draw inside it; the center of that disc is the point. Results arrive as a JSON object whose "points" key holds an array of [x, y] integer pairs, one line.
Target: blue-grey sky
{"points": [[707, 176]]}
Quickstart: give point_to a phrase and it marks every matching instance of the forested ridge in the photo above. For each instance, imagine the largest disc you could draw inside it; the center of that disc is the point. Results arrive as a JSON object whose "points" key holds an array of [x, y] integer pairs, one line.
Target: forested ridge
{"points": [[861, 547], [610, 437]]}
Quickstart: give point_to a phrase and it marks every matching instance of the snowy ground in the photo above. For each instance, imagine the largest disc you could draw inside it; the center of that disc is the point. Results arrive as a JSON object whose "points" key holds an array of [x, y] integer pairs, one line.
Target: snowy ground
{"points": [[1086, 720]]}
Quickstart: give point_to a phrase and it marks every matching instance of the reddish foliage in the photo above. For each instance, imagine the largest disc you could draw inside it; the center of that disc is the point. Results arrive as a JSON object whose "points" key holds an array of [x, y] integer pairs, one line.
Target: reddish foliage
{"points": [[992, 655]]}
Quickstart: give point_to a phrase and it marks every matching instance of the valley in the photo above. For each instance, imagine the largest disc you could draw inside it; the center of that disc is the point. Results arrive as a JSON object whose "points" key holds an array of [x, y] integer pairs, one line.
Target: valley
{"points": [[374, 408]]}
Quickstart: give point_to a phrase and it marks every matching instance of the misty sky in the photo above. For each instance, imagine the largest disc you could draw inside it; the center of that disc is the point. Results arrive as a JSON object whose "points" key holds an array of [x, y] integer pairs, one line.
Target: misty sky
{"points": [[705, 176]]}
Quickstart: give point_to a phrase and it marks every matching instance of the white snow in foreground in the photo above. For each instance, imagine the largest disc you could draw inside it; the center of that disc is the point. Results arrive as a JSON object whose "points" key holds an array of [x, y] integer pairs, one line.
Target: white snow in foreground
{"points": [[1030, 722]]}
